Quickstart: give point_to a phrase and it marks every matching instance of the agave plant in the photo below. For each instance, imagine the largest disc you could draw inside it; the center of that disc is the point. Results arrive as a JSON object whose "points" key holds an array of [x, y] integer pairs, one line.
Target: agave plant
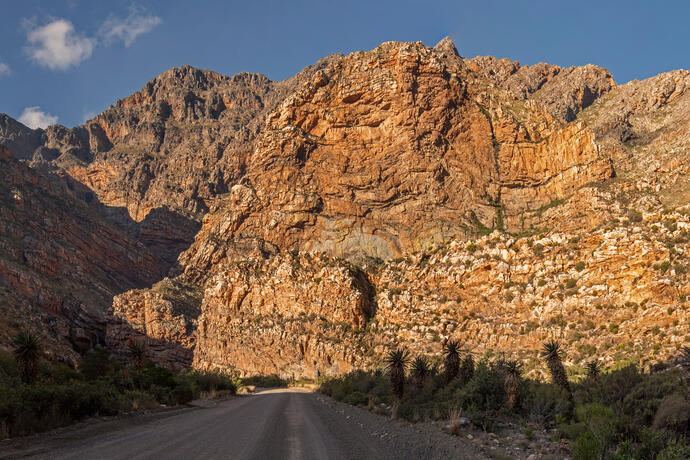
{"points": [[396, 362], [593, 369], [451, 359], [552, 354], [420, 371], [512, 383], [137, 354], [27, 351]]}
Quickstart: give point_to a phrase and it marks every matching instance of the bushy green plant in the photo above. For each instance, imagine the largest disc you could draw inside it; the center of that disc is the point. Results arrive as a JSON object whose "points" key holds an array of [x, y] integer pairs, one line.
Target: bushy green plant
{"points": [[101, 386], [546, 403], [675, 450], [601, 429], [485, 390], [265, 381], [97, 364]]}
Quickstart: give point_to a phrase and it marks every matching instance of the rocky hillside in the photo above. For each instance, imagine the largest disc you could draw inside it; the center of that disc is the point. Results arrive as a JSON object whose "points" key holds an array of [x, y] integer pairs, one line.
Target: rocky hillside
{"points": [[60, 263], [401, 195]]}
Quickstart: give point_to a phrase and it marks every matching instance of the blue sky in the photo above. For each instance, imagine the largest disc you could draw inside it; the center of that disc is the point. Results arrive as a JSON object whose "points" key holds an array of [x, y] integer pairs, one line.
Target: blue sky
{"points": [[66, 60]]}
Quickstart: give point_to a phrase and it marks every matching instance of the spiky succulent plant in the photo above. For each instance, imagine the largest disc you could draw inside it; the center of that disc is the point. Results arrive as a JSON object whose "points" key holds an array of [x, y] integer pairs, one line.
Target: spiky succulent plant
{"points": [[396, 363], [512, 383], [420, 371], [451, 359], [593, 369], [552, 355], [27, 351]]}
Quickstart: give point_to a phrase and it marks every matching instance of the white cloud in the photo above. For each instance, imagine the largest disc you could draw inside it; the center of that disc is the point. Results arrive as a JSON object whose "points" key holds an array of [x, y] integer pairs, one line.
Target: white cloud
{"points": [[57, 46], [34, 117], [4, 69], [129, 28]]}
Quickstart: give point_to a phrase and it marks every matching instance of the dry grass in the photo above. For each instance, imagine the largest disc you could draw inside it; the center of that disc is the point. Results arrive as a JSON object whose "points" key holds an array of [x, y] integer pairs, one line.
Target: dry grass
{"points": [[394, 410], [454, 421], [211, 394]]}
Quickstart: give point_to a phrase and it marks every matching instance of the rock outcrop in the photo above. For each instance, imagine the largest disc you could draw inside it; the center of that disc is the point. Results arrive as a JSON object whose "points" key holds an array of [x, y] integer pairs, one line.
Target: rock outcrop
{"points": [[383, 152], [398, 196], [19, 139], [376, 156], [61, 263]]}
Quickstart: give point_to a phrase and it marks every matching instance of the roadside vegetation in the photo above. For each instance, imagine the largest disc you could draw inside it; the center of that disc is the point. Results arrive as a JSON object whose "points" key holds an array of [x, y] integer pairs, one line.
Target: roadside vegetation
{"points": [[38, 394], [618, 414], [265, 381]]}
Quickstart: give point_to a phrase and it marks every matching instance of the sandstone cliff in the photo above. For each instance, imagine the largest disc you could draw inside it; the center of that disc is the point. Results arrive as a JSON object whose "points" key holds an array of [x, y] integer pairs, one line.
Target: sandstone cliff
{"points": [[398, 196], [377, 155]]}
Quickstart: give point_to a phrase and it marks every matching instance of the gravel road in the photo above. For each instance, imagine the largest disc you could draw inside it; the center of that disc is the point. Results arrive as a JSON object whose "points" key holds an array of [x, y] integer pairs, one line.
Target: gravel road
{"points": [[272, 424]]}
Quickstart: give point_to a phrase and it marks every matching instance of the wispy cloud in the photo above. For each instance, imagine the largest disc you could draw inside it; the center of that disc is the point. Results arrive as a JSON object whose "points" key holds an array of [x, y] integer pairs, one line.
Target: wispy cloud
{"points": [[128, 28], [57, 46], [34, 117], [4, 69]]}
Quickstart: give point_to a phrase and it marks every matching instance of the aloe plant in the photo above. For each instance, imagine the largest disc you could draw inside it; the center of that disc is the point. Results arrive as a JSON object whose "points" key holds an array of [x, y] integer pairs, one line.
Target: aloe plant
{"points": [[396, 362], [27, 351]]}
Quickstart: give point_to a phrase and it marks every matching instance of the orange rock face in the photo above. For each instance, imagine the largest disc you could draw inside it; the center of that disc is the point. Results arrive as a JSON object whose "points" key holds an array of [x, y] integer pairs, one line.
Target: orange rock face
{"points": [[382, 152], [398, 196]]}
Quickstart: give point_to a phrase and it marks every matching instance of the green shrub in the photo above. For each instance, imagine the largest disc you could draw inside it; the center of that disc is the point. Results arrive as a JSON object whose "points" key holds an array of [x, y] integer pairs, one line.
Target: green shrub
{"points": [[96, 364], [485, 390], [157, 376], [580, 266], [675, 450], [547, 403], [182, 393], [356, 398], [208, 381], [586, 447], [10, 374], [642, 402], [663, 266], [601, 427], [265, 381], [673, 414]]}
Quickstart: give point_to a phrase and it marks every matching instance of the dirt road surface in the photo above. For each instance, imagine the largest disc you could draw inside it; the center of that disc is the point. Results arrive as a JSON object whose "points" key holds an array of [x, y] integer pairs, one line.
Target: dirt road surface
{"points": [[272, 424]]}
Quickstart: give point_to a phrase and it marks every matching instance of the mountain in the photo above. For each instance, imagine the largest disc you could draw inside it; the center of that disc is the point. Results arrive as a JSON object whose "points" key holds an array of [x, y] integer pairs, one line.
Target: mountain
{"points": [[60, 262], [397, 196]]}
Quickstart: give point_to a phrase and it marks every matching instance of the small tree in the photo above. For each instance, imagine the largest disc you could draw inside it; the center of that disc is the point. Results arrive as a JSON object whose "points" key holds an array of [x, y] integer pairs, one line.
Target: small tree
{"points": [[396, 362], [27, 351], [420, 371], [552, 355], [451, 359]]}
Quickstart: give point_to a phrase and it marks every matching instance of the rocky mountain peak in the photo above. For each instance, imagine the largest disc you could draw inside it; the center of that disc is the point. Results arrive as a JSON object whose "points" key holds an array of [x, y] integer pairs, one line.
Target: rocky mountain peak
{"points": [[447, 46], [23, 141]]}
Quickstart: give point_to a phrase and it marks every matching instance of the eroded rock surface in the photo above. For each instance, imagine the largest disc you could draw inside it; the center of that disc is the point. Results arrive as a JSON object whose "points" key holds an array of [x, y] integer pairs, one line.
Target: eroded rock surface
{"points": [[394, 197], [60, 263]]}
